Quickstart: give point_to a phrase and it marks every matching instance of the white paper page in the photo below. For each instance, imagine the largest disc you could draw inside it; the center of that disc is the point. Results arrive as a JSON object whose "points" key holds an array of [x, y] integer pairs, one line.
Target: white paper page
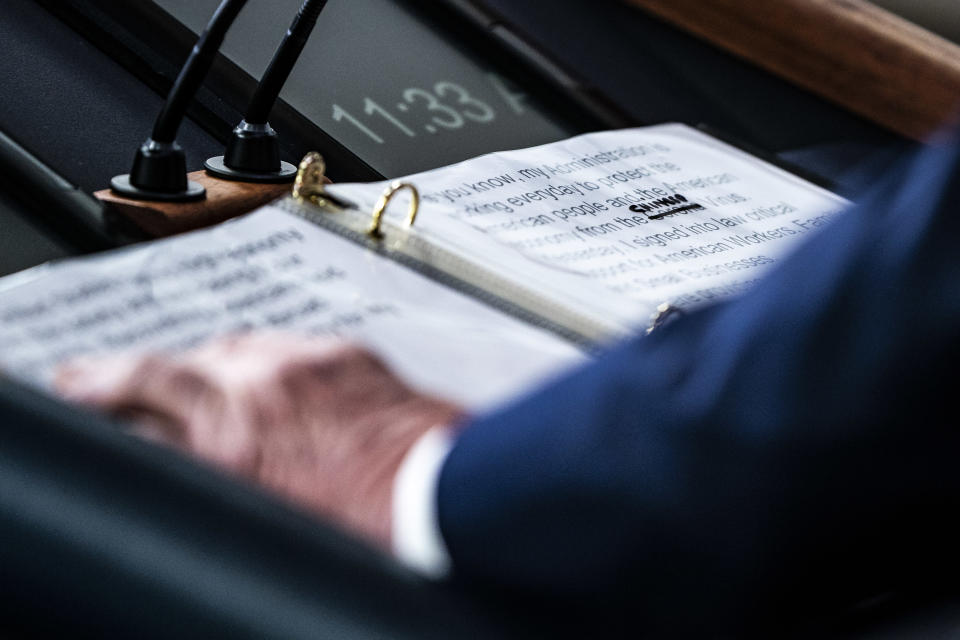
{"points": [[270, 269], [558, 216]]}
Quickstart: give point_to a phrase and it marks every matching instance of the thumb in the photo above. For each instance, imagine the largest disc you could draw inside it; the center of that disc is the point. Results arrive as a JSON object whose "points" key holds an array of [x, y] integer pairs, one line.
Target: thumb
{"points": [[91, 380]]}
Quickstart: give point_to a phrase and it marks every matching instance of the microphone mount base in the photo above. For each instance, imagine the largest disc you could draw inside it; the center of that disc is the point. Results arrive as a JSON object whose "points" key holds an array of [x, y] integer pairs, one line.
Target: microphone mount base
{"points": [[123, 186], [217, 167], [159, 173]]}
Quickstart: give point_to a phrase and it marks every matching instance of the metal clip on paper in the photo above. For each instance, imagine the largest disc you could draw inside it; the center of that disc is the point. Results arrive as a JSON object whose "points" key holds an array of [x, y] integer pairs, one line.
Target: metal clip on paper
{"points": [[381, 206], [665, 312], [310, 181], [309, 185]]}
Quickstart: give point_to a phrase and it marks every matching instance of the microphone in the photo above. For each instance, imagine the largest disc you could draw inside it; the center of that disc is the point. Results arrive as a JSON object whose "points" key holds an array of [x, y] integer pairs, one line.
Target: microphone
{"points": [[253, 152], [160, 167]]}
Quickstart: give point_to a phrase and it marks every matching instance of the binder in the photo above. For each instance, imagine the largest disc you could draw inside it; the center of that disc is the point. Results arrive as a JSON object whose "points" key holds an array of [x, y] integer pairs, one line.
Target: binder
{"points": [[541, 313], [397, 239], [309, 199]]}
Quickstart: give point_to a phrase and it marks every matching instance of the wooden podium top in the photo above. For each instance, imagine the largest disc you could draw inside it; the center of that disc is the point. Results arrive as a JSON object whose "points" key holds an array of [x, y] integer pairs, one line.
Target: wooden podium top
{"points": [[851, 52]]}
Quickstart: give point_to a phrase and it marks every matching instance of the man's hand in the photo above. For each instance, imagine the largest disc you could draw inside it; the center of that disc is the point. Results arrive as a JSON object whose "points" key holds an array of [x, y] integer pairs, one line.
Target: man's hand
{"points": [[322, 423]]}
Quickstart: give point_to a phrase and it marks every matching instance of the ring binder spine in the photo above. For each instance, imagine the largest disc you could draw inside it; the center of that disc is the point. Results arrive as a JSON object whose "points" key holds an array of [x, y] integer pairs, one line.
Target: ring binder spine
{"points": [[310, 200], [460, 275]]}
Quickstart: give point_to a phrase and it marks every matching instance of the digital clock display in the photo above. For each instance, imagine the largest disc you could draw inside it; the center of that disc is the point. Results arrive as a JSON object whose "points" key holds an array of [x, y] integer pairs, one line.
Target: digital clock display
{"points": [[385, 84]]}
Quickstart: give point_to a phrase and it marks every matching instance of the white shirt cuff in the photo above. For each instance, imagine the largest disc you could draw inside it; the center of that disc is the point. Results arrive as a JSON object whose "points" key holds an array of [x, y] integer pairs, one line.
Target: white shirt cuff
{"points": [[417, 541]]}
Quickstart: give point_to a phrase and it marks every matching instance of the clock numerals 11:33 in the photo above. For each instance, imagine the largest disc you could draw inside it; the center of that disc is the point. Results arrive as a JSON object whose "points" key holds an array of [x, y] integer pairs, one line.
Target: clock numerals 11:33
{"points": [[449, 106]]}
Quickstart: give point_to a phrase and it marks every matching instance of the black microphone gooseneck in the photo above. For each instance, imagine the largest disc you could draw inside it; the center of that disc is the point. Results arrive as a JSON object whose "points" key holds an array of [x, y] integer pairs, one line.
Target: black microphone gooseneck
{"points": [[253, 153], [160, 168]]}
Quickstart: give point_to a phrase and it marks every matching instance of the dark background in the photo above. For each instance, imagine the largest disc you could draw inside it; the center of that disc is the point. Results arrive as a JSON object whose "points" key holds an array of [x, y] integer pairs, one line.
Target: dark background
{"points": [[84, 113]]}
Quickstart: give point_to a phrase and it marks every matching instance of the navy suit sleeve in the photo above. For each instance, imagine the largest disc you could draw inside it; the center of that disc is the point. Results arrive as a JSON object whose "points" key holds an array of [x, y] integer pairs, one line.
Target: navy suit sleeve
{"points": [[794, 447]]}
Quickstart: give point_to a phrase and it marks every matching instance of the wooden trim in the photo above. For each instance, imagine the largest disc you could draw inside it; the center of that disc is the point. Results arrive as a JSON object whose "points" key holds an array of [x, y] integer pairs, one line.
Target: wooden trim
{"points": [[225, 199], [851, 52]]}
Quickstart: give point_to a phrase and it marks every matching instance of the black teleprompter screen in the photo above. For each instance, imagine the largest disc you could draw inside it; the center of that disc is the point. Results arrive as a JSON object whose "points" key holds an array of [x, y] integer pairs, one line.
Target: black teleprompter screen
{"points": [[401, 96]]}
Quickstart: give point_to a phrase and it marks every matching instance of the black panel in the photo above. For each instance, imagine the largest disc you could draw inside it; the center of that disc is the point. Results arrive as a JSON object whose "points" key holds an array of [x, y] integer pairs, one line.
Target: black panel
{"points": [[659, 73], [73, 106], [22, 243]]}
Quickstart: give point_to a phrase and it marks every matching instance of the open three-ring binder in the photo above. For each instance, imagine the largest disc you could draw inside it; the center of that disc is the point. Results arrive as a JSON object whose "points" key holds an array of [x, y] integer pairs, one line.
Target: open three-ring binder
{"points": [[475, 280], [589, 323], [310, 200]]}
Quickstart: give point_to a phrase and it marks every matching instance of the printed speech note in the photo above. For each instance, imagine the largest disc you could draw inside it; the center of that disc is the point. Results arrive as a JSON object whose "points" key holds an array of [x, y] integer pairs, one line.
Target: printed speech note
{"points": [[270, 270], [620, 221]]}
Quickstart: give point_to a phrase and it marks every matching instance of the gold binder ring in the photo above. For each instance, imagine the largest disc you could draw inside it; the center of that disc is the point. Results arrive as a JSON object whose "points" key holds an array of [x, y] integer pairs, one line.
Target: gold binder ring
{"points": [[310, 178], [381, 206]]}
